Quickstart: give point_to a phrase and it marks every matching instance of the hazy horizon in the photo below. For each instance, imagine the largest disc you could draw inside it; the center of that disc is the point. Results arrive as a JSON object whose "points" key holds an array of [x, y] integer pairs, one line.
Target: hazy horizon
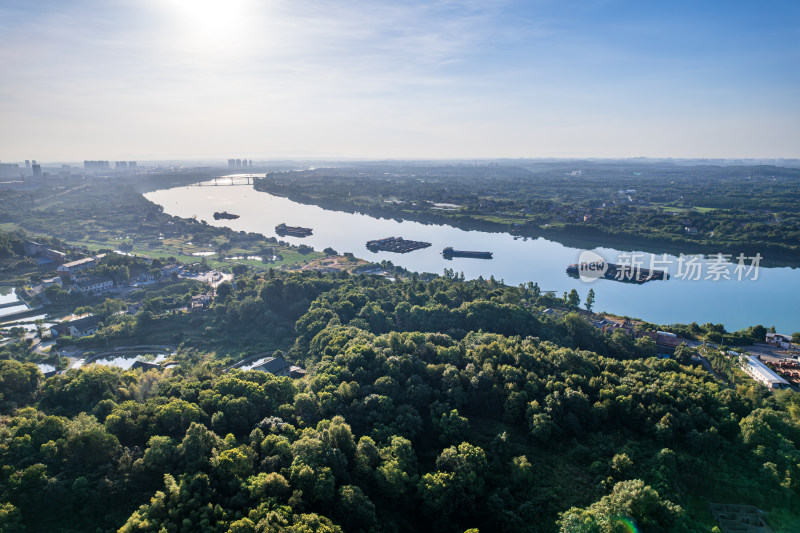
{"points": [[203, 80], [262, 162]]}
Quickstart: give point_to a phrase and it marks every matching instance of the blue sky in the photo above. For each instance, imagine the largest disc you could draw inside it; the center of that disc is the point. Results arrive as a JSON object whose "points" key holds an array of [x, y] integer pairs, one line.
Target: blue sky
{"points": [[153, 79]]}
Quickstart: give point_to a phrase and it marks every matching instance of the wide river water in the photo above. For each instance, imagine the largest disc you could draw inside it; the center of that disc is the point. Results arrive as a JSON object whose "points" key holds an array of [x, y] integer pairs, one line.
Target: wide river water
{"points": [[771, 300]]}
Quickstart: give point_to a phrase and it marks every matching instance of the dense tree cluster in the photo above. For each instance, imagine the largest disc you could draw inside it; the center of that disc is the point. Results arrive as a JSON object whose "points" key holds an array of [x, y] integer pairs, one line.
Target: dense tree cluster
{"points": [[438, 406], [11, 250]]}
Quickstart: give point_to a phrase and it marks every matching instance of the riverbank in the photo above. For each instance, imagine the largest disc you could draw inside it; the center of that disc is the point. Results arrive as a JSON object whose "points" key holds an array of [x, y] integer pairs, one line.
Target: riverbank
{"points": [[575, 235], [516, 259]]}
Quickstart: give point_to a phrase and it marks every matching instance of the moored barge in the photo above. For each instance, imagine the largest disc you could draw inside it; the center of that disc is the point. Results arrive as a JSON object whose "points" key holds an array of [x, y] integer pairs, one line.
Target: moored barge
{"points": [[616, 272], [449, 253], [294, 231], [395, 244], [224, 214]]}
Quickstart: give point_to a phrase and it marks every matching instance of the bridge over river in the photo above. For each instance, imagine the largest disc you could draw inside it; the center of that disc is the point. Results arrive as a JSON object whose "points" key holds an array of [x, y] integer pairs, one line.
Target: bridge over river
{"points": [[227, 181]]}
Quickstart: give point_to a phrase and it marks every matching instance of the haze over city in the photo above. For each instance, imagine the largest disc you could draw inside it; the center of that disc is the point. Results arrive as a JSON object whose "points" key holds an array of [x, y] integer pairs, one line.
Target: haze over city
{"points": [[443, 79]]}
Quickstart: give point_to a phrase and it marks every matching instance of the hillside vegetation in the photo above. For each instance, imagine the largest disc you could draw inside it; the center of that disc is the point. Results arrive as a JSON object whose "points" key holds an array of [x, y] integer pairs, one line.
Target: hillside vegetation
{"points": [[429, 406]]}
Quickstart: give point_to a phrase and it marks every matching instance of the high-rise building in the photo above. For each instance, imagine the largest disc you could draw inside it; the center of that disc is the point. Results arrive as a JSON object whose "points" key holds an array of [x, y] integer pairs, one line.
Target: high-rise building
{"points": [[37, 170], [27, 163], [9, 169]]}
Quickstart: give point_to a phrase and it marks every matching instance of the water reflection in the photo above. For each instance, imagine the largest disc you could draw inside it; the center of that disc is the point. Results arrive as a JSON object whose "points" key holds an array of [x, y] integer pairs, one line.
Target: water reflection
{"points": [[126, 361], [770, 300]]}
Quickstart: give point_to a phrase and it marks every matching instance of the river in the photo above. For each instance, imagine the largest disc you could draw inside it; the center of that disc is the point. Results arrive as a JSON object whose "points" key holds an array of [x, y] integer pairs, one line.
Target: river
{"points": [[767, 296]]}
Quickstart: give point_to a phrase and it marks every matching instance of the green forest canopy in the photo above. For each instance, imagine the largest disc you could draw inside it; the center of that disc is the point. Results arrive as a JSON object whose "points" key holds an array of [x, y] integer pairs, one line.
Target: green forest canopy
{"points": [[439, 406]]}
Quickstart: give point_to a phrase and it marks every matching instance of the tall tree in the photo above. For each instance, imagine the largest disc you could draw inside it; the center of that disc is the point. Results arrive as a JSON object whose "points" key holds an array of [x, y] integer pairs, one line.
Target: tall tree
{"points": [[589, 300], [573, 300]]}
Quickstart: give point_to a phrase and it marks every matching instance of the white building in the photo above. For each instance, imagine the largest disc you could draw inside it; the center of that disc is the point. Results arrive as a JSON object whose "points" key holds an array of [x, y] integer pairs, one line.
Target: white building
{"points": [[784, 342], [169, 270], [93, 285], [73, 267], [762, 373]]}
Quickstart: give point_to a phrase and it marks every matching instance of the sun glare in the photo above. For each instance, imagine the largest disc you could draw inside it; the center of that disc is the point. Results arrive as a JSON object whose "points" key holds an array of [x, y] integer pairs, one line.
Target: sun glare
{"points": [[211, 24]]}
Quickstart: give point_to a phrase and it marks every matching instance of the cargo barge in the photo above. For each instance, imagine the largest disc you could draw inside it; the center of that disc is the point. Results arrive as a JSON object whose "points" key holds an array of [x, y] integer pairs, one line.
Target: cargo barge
{"points": [[615, 272], [294, 231], [224, 214], [395, 244], [449, 253]]}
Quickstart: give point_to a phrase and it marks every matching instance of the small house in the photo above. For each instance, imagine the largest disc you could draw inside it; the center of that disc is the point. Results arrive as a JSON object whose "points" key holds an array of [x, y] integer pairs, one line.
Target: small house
{"points": [[200, 301], [32, 248], [53, 255], [783, 342], [83, 327], [59, 330], [168, 270], [666, 343], [145, 277], [274, 365]]}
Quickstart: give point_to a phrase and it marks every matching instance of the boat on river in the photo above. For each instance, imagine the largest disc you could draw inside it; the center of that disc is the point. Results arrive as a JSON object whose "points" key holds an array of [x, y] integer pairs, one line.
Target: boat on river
{"points": [[616, 272], [395, 244], [294, 231], [449, 253], [224, 215]]}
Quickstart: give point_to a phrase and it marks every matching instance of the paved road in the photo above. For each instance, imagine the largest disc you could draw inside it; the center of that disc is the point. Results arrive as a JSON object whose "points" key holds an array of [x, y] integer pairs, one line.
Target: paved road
{"points": [[767, 352]]}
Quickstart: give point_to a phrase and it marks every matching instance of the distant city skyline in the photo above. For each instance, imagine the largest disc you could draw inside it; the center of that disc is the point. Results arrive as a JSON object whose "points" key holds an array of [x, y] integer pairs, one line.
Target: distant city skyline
{"points": [[205, 79]]}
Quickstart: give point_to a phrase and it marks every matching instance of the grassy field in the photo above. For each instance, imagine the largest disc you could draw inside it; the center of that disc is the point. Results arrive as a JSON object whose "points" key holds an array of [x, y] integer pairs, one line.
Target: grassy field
{"points": [[501, 219], [184, 250], [673, 209], [108, 214]]}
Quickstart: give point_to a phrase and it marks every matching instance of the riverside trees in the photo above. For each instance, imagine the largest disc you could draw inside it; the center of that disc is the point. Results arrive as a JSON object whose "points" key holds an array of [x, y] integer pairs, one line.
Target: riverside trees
{"points": [[441, 406]]}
